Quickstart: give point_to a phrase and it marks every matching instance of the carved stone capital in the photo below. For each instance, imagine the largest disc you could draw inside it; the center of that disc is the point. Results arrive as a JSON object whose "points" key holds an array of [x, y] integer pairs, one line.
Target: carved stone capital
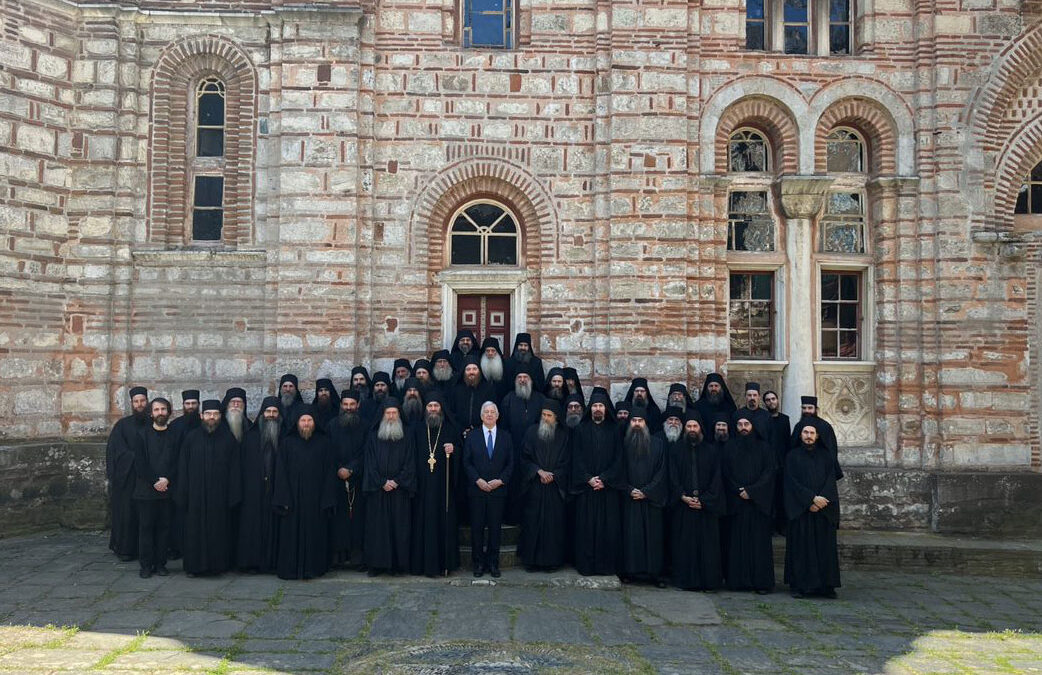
{"points": [[801, 197]]}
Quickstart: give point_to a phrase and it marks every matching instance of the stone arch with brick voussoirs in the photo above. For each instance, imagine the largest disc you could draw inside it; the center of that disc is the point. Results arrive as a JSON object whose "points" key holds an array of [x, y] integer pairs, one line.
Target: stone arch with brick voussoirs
{"points": [[495, 180]]}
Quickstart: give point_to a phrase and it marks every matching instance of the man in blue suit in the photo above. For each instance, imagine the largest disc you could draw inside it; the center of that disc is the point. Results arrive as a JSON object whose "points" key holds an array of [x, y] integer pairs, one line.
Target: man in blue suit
{"points": [[488, 459]]}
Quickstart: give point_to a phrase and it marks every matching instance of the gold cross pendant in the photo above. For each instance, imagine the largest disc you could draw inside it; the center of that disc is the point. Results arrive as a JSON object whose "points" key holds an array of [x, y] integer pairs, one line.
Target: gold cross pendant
{"points": [[431, 462]]}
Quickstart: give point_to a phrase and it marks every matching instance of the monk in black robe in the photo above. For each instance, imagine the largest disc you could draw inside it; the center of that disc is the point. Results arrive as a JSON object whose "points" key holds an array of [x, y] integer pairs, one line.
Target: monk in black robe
{"points": [[304, 499], [545, 460], [826, 433], [443, 374], [435, 526], [470, 393], [348, 434], [389, 482], [573, 384], [779, 431], [464, 346], [188, 420], [326, 403], [520, 409], [422, 370], [257, 523], [119, 470], [289, 396], [233, 413], [812, 505], [155, 466], [400, 372], [679, 397], [209, 486], [646, 480], [748, 473], [715, 398], [555, 387], [413, 402], [639, 396], [754, 409], [595, 482], [697, 496], [523, 355]]}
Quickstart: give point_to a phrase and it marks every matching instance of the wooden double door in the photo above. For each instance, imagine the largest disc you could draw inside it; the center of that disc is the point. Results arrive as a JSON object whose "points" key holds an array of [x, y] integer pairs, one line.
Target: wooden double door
{"points": [[487, 316]]}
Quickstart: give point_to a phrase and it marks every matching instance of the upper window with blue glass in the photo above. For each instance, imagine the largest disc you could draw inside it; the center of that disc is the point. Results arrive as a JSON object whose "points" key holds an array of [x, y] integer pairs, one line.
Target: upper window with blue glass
{"points": [[488, 23]]}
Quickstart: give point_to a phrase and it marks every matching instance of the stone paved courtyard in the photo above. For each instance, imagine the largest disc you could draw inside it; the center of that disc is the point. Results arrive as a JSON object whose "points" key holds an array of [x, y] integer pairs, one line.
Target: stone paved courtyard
{"points": [[66, 605]]}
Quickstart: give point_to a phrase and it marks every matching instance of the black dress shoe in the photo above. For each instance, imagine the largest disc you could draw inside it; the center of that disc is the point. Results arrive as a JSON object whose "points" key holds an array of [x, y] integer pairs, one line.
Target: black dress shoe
{"points": [[797, 595], [163, 571], [125, 557], [478, 572], [496, 573], [762, 591], [660, 584], [144, 574]]}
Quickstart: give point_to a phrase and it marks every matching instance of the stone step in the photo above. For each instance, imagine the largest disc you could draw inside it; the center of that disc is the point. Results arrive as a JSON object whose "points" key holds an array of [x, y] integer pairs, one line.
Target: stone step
{"points": [[507, 557]]}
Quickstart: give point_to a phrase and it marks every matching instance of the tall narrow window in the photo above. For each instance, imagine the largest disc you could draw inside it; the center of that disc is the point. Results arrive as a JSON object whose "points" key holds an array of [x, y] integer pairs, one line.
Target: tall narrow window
{"points": [[841, 315], [756, 25], [844, 151], [484, 233], [208, 208], [747, 150], [1029, 199], [749, 223], [209, 127], [843, 225], [751, 315], [796, 26], [488, 23], [840, 25]]}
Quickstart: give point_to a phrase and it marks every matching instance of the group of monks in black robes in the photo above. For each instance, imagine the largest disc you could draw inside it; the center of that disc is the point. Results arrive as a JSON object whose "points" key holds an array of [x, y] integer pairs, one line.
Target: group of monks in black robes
{"points": [[380, 475]]}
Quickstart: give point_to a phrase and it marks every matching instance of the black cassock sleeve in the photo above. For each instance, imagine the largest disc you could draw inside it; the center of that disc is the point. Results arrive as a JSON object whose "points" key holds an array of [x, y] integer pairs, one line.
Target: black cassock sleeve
{"points": [[371, 481], [711, 484], [761, 491], [656, 490], [282, 494], [406, 477], [142, 467], [678, 469], [330, 482], [234, 472], [562, 467]]}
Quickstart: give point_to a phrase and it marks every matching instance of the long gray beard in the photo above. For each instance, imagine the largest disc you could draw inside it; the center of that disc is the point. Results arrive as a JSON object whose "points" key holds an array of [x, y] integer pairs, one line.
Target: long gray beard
{"points": [[442, 373], [523, 391], [270, 433], [546, 431], [638, 441], [412, 407], [390, 431], [492, 368], [572, 420], [463, 349], [347, 420], [288, 399], [434, 420], [671, 433], [235, 418], [522, 357], [306, 434], [682, 404], [399, 383]]}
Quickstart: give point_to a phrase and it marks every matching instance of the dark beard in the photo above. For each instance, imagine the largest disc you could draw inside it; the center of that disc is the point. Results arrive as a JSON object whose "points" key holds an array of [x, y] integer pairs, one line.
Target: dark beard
{"points": [[412, 408], [160, 420], [270, 433], [715, 398], [722, 436], [463, 349], [323, 403], [694, 438], [211, 425], [638, 441], [557, 393], [472, 382], [434, 420], [347, 420], [141, 417], [192, 418], [288, 400], [522, 357], [363, 390], [379, 395], [572, 420]]}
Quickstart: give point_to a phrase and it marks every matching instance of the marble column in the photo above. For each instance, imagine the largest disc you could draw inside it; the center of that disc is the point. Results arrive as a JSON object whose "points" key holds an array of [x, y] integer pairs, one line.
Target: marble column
{"points": [[801, 199]]}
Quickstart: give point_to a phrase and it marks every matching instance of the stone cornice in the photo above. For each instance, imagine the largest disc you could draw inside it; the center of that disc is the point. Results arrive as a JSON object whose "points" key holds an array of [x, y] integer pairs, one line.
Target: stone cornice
{"points": [[801, 197]]}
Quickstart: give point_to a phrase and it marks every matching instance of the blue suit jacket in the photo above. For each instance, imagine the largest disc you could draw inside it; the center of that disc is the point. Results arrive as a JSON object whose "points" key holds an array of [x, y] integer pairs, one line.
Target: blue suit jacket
{"points": [[477, 464]]}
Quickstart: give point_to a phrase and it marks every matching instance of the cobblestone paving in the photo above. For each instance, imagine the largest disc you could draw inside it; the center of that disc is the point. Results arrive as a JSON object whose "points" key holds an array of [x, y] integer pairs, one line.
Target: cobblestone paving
{"points": [[66, 605]]}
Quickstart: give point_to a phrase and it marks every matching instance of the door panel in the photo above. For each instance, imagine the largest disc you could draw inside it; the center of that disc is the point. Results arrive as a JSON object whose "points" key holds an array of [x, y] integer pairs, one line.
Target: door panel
{"points": [[486, 315]]}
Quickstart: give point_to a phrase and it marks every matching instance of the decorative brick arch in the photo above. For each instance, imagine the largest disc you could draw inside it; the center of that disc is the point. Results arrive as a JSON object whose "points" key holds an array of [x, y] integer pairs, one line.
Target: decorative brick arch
{"points": [[178, 69], [1023, 153], [484, 178], [868, 118], [768, 116]]}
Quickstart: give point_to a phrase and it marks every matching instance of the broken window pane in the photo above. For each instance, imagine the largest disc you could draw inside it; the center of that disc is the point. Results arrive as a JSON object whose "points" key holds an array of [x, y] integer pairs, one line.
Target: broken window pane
{"points": [[747, 151], [844, 152], [750, 226]]}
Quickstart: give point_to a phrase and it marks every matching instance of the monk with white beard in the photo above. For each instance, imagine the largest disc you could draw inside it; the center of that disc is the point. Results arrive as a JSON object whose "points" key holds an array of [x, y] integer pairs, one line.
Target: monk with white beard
{"points": [[494, 368], [234, 409], [442, 373], [389, 483]]}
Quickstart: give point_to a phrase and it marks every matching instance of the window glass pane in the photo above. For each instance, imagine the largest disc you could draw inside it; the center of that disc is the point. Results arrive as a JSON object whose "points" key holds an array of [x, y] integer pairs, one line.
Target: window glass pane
{"points": [[760, 315], [1036, 197], [210, 143], [795, 11], [848, 344], [830, 287], [761, 289], [738, 286], [828, 316], [829, 346], [754, 36], [848, 316], [751, 320], [845, 202], [486, 5], [209, 191], [754, 9], [760, 344], [842, 237], [463, 225], [747, 151], [502, 250], [748, 202], [1022, 200], [505, 226], [206, 224], [839, 10], [484, 214], [795, 39], [487, 30], [839, 39], [466, 250], [848, 287], [844, 155], [1036, 172], [211, 110]]}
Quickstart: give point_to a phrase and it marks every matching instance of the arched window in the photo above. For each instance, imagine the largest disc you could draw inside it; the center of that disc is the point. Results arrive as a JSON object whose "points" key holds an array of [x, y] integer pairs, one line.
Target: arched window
{"points": [[747, 150], [484, 232], [844, 151], [1029, 199], [209, 118]]}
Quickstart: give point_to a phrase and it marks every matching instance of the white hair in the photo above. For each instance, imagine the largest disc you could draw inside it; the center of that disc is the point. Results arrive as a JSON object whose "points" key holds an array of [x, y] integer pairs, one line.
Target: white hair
{"points": [[489, 404]]}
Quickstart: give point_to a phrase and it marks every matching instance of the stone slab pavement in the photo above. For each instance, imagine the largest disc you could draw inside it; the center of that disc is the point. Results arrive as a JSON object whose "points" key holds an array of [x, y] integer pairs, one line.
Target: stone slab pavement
{"points": [[67, 605]]}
